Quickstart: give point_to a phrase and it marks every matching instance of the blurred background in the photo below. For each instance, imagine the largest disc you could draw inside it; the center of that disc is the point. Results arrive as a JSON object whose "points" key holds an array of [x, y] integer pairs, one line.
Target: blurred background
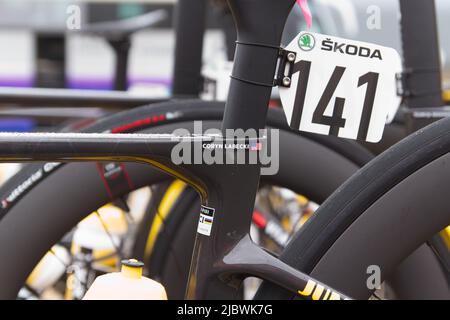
{"points": [[38, 49], [42, 52]]}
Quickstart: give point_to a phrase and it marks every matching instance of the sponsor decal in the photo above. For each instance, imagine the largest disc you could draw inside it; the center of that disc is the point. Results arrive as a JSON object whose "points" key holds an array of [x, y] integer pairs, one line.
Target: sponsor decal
{"points": [[27, 184], [206, 220], [350, 49], [115, 178], [306, 42], [318, 292]]}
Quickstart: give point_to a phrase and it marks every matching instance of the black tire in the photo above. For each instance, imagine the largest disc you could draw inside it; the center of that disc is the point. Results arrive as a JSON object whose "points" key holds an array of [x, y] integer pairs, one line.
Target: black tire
{"points": [[43, 210], [388, 209]]}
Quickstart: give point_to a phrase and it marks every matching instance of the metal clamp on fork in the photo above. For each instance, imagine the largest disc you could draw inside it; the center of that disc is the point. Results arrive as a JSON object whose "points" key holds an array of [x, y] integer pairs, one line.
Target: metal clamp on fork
{"points": [[284, 70]]}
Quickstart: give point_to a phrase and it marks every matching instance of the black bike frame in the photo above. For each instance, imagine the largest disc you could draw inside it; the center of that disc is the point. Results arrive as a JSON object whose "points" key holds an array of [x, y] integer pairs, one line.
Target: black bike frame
{"points": [[222, 260], [190, 25]]}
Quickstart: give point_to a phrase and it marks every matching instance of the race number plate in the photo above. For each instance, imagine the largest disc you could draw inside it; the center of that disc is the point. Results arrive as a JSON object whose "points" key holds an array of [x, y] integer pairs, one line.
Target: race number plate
{"points": [[341, 87]]}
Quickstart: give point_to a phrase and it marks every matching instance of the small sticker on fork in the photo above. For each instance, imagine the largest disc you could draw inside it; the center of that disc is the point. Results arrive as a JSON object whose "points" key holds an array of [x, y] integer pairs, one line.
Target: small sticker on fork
{"points": [[205, 221]]}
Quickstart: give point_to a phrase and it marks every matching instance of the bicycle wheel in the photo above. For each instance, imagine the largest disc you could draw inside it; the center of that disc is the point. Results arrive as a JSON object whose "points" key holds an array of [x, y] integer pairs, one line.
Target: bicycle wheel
{"points": [[389, 208], [40, 206]]}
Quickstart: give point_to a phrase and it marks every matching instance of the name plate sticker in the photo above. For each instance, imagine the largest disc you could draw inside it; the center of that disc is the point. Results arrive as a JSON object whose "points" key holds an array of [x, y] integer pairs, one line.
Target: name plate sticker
{"points": [[341, 87], [205, 221]]}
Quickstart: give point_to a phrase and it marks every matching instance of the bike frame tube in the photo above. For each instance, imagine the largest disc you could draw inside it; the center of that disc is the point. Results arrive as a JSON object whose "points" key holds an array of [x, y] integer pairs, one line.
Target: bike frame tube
{"points": [[421, 53], [190, 27], [422, 67], [223, 259], [121, 49]]}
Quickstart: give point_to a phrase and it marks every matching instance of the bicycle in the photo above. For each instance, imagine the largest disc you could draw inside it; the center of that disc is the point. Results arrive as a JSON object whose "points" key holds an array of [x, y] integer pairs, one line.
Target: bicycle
{"points": [[425, 92], [160, 262], [350, 157], [286, 277]]}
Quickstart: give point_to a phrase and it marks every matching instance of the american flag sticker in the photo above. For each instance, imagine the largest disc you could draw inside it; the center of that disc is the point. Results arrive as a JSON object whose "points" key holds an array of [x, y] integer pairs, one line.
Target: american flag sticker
{"points": [[206, 220], [255, 146]]}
